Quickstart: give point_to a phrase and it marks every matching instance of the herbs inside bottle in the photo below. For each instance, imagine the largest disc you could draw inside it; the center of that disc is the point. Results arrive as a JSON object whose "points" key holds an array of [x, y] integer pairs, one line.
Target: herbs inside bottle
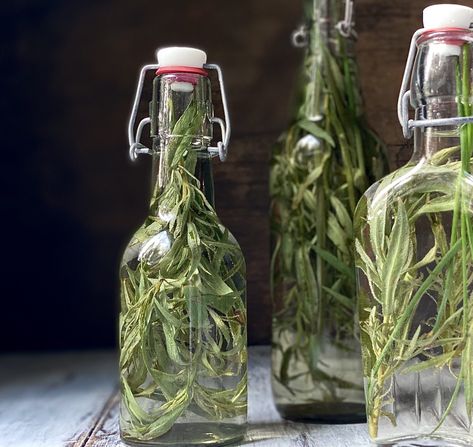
{"points": [[183, 356], [320, 168], [414, 245]]}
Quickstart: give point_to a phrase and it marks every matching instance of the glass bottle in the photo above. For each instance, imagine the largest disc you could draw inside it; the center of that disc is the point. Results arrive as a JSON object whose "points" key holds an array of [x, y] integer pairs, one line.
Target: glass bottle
{"points": [[414, 245], [183, 355], [320, 168]]}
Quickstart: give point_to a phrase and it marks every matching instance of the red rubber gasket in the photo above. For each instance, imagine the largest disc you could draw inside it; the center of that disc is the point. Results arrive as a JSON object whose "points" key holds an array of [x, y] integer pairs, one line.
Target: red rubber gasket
{"points": [[452, 36], [181, 69]]}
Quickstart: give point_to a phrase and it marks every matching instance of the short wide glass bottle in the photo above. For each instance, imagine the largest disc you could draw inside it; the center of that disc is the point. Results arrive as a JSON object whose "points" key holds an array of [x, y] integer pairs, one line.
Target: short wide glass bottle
{"points": [[414, 246], [183, 356]]}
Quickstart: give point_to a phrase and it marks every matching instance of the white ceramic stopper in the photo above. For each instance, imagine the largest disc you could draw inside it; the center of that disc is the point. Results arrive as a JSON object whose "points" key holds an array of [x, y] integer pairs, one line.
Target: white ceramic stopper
{"points": [[448, 16], [182, 57]]}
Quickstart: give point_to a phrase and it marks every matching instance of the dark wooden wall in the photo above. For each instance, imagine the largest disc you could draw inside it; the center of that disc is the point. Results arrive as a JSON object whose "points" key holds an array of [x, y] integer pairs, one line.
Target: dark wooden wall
{"points": [[72, 199]]}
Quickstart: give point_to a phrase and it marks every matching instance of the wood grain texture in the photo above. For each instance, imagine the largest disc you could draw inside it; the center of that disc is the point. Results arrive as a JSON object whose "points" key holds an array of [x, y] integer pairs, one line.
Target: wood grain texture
{"points": [[71, 400], [53, 400]]}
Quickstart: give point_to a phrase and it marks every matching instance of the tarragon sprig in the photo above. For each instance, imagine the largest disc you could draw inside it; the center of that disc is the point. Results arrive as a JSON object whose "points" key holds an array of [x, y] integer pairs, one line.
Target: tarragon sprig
{"points": [[183, 312], [437, 197], [319, 170]]}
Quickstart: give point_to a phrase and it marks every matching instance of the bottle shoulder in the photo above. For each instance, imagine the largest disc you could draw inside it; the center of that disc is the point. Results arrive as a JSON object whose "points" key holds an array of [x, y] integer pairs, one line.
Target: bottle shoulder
{"points": [[417, 178], [417, 181], [155, 240]]}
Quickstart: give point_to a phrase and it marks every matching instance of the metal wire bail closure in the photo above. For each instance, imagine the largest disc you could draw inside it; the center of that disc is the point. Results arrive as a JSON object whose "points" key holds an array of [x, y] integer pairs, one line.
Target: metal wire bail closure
{"points": [[134, 139], [225, 126], [346, 26], [300, 36], [408, 125]]}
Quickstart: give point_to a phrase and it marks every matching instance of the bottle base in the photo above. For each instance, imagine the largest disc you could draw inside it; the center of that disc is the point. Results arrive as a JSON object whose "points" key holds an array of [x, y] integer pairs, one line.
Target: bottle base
{"points": [[328, 413], [193, 434], [427, 441]]}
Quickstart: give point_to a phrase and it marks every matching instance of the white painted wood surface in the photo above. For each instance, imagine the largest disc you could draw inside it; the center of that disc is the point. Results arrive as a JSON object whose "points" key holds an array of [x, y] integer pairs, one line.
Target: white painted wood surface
{"points": [[53, 400], [57, 400]]}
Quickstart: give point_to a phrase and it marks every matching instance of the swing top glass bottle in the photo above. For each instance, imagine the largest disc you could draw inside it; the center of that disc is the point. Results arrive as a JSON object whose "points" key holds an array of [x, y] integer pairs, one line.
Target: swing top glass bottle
{"points": [[183, 365], [321, 166], [414, 252]]}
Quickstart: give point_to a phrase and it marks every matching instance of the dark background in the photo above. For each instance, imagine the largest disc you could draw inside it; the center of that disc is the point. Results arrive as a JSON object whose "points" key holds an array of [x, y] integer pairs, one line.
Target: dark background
{"points": [[71, 199]]}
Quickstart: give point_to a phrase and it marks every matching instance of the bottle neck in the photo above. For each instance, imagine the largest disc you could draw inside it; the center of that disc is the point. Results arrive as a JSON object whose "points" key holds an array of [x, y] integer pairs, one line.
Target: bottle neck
{"points": [[324, 42], [442, 87], [322, 17], [429, 141], [164, 176], [181, 111]]}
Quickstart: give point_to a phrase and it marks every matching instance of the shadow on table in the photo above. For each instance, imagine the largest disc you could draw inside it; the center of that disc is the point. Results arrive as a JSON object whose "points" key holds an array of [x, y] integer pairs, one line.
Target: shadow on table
{"points": [[266, 431]]}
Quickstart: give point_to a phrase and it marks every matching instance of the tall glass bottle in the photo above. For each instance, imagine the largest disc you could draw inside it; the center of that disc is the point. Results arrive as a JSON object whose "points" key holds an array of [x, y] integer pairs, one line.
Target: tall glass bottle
{"points": [[414, 244], [183, 356], [320, 168]]}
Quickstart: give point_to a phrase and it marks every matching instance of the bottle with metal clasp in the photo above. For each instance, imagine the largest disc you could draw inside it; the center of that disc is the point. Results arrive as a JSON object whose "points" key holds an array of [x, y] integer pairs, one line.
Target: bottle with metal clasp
{"points": [[414, 248], [183, 337], [321, 166]]}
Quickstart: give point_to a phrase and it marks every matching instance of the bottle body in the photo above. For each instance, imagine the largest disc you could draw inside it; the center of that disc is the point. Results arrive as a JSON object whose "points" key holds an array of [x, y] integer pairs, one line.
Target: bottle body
{"points": [[414, 266], [414, 340], [183, 355], [320, 168]]}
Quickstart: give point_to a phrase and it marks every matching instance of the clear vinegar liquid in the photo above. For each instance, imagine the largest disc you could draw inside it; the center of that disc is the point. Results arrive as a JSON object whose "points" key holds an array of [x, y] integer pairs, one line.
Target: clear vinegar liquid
{"points": [[418, 402], [315, 396], [193, 427], [188, 432]]}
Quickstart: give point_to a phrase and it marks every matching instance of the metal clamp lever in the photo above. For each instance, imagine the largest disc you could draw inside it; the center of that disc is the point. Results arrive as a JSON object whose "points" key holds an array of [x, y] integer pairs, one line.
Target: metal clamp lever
{"points": [[444, 122], [134, 140], [225, 127]]}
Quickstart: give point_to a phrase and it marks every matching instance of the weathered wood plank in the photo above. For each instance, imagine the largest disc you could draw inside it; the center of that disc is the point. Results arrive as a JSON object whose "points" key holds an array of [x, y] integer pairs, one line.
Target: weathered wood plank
{"points": [[106, 433], [266, 429], [70, 400], [53, 400]]}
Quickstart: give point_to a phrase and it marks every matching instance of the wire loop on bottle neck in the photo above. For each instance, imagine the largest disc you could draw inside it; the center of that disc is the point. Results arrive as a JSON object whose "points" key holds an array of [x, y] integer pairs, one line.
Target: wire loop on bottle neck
{"points": [[346, 26], [134, 139], [300, 37]]}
